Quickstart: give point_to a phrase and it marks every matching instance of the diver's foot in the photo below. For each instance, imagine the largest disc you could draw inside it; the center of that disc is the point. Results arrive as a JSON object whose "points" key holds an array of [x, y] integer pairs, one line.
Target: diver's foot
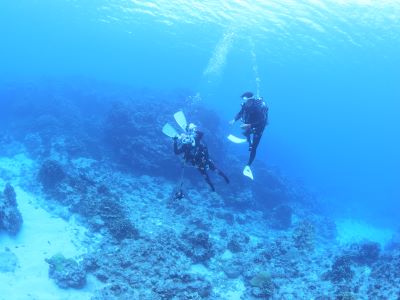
{"points": [[226, 180], [247, 172]]}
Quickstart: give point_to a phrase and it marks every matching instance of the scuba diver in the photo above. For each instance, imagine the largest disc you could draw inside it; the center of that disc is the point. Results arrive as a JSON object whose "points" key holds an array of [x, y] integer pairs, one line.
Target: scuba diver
{"points": [[196, 153], [254, 115]]}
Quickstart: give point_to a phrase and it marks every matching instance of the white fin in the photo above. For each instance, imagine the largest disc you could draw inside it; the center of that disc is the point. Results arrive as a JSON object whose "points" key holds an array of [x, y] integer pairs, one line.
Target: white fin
{"points": [[168, 130], [247, 172], [236, 140], [181, 119]]}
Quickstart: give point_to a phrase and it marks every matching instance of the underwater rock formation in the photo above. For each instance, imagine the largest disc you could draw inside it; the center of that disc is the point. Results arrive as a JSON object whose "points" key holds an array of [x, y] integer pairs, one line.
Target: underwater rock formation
{"points": [[262, 285], [152, 246], [49, 112], [83, 191], [116, 220], [385, 277], [304, 236], [364, 253], [238, 242], [147, 264], [198, 246], [233, 268], [341, 270], [51, 174], [135, 128], [10, 217], [66, 272]]}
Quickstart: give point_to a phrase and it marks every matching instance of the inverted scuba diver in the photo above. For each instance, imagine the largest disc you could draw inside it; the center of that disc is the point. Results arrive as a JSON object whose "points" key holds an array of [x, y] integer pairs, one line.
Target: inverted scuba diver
{"points": [[195, 152]]}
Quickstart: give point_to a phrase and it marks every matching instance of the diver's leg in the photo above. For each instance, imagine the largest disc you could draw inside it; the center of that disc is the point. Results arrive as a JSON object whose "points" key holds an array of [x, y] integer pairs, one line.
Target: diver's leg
{"points": [[253, 150], [214, 168], [220, 173], [247, 133], [203, 172]]}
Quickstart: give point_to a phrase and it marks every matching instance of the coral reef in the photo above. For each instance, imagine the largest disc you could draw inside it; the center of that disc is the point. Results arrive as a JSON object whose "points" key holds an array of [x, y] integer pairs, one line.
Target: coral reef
{"points": [[238, 242], [304, 236], [148, 264], [262, 285], [198, 246], [364, 253], [103, 160], [384, 281], [51, 174], [83, 191], [10, 217], [341, 270], [67, 273], [233, 268]]}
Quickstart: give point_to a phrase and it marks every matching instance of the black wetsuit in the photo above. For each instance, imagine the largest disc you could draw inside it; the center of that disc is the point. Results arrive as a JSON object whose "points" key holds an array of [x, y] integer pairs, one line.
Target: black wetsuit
{"points": [[254, 112], [196, 153]]}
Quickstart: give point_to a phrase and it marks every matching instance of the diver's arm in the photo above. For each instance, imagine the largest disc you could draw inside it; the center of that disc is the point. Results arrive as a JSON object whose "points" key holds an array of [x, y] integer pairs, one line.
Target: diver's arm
{"points": [[238, 115]]}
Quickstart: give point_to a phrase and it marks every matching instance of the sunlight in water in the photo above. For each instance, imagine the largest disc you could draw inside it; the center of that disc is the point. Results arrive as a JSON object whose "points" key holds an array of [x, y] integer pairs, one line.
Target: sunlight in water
{"points": [[294, 25]]}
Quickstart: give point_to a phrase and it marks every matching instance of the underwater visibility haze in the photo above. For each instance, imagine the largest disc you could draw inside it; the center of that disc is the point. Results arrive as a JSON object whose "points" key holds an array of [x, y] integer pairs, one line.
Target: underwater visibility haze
{"points": [[87, 174]]}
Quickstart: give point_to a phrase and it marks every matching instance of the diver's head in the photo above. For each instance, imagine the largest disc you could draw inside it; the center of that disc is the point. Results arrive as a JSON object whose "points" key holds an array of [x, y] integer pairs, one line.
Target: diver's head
{"points": [[191, 128], [247, 95]]}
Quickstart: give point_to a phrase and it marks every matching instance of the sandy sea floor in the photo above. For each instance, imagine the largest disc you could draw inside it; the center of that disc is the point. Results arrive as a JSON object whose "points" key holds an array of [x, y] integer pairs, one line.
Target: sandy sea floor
{"points": [[42, 235]]}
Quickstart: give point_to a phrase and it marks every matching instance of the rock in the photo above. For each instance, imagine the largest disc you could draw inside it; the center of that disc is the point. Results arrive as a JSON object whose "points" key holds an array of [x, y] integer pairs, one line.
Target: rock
{"points": [[148, 264], [194, 287], [115, 219], [104, 209], [118, 291], [10, 217], [67, 273], [385, 275], [199, 247], [233, 269], [238, 242], [122, 229], [51, 173], [364, 253], [341, 270], [262, 285], [304, 236]]}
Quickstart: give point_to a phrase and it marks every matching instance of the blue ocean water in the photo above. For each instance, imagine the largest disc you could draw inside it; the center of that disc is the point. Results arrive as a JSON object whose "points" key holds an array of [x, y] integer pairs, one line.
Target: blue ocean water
{"points": [[328, 70]]}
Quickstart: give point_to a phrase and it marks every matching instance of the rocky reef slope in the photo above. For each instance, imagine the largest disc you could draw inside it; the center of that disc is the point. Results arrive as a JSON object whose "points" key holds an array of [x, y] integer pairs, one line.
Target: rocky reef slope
{"points": [[102, 158]]}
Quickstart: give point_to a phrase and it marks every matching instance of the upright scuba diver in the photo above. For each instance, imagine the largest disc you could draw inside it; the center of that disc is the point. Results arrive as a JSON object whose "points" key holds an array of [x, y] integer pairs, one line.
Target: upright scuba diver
{"points": [[195, 152], [254, 115]]}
